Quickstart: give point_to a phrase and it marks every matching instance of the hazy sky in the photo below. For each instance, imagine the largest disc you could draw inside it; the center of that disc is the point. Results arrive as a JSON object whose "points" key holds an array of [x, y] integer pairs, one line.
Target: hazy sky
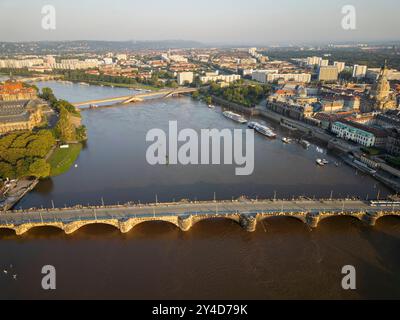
{"points": [[224, 21]]}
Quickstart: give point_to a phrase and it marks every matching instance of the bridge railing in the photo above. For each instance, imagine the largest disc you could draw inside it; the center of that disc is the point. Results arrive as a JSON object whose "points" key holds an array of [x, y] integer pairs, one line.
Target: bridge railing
{"points": [[120, 217]]}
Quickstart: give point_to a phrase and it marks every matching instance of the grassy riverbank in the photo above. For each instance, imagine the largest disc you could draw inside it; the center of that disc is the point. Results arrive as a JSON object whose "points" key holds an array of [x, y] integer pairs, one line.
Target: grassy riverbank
{"points": [[63, 159]]}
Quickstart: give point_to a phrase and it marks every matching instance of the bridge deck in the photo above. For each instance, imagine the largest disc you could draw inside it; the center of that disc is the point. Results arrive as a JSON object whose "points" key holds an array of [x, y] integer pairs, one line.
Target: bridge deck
{"points": [[180, 209], [140, 96]]}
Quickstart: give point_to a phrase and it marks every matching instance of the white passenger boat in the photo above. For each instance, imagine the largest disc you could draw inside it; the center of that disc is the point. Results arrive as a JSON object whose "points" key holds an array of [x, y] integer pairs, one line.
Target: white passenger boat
{"points": [[235, 117], [266, 131]]}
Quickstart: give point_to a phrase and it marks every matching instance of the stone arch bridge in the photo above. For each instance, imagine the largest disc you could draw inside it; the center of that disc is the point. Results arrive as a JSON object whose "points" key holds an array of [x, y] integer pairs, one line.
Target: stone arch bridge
{"points": [[185, 215]]}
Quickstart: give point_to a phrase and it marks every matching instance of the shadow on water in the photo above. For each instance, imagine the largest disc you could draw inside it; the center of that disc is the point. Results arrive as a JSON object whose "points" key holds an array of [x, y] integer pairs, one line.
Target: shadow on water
{"points": [[216, 259], [371, 250]]}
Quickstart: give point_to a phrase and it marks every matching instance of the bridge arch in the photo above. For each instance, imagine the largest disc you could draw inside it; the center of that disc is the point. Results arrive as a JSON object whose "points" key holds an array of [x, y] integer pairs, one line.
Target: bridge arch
{"points": [[394, 214], [75, 226], [175, 224], [127, 226], [5, 228], [43, 226], [198, 219], [358, 217], [288, 216]]}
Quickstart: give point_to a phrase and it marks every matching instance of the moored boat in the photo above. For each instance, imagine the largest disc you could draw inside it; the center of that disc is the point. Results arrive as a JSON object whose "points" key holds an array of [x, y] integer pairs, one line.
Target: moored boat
{"points": [[235, 117], [305, 143], [266, 131]]}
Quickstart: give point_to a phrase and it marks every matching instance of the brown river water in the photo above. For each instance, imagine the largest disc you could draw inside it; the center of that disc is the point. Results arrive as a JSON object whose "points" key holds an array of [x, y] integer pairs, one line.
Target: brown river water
{"points": [[215, 259]]}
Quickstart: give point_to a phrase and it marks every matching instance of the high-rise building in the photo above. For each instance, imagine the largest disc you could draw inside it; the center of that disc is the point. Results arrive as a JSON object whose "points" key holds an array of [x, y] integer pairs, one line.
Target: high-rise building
{"points": [[324, 63], [359, 71], [340, 65], [185, 77], [312, 61], [297, 77], [328, 73], [261, 75]]}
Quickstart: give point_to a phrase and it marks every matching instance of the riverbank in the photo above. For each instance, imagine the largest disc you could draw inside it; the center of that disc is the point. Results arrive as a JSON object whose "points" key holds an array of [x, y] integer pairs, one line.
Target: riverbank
{"points": [[62, 159], [339, 147], [15, 191]]}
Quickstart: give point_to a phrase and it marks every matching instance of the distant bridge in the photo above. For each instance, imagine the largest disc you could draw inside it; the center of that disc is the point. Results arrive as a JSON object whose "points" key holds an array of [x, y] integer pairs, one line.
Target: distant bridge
{"points": [[184, 215], [165, 93]]}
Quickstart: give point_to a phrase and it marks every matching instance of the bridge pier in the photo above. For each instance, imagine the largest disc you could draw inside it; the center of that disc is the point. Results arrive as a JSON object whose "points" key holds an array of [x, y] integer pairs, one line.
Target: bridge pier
{"points": [[248, 222], [370, 218], [185, 223], [312, 220]]}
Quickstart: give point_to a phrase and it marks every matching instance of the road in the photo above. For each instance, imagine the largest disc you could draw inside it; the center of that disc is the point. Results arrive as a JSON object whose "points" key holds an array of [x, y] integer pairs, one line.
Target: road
{"points": [[175, 209]]}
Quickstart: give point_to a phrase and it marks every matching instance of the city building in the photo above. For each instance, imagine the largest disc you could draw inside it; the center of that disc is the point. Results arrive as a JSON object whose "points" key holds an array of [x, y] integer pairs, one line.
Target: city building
{"points": [[359, 71], [348, 132], [13, 91], [332, 105], [20, 115], [223, 78], [374, 73], [393, 142], [314, 61], [381, 92], [261, 75], [185, 78], [324, 63], [340, 65], [297, 77], [351, 103], [328, 73]]}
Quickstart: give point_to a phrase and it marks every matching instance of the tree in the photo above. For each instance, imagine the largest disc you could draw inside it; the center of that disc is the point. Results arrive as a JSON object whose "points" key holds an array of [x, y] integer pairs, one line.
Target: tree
{"points": [[64, 129], [39, 169], [6, 170], [48, 95]]}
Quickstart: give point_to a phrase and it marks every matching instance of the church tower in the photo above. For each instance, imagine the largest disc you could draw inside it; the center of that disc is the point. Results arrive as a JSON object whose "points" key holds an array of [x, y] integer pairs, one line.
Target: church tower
{"points": [[381, 93]]}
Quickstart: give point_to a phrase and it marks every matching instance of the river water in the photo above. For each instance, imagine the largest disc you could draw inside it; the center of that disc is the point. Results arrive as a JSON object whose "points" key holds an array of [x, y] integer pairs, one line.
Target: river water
{"points": [[216, 259]]}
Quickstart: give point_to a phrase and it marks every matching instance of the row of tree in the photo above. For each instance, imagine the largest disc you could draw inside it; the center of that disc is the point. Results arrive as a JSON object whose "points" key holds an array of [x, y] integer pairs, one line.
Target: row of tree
{"points": [[65, 129], [246, 94], [159, 79], [24, 154]]}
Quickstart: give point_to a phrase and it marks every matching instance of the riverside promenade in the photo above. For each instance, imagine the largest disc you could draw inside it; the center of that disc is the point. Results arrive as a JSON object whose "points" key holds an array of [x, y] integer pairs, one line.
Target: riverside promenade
{"points": [[184, 215]]}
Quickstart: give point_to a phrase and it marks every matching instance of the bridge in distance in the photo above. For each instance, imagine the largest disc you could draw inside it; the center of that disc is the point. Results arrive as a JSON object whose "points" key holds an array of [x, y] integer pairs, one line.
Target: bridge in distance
{"points": [[184, 215], [165, 93]]}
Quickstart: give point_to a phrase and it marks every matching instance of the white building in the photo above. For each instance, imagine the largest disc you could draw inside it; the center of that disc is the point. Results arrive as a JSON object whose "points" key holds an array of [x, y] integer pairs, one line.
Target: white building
{"points": [[328, 73], [359, 71], [340, 65], [224, 78], [348, 132], [261, 75], [297, 77], [312, 61], [185, 77], [324, 63], [19, 64], [253, 51], [121, 56], [108, 61]]}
